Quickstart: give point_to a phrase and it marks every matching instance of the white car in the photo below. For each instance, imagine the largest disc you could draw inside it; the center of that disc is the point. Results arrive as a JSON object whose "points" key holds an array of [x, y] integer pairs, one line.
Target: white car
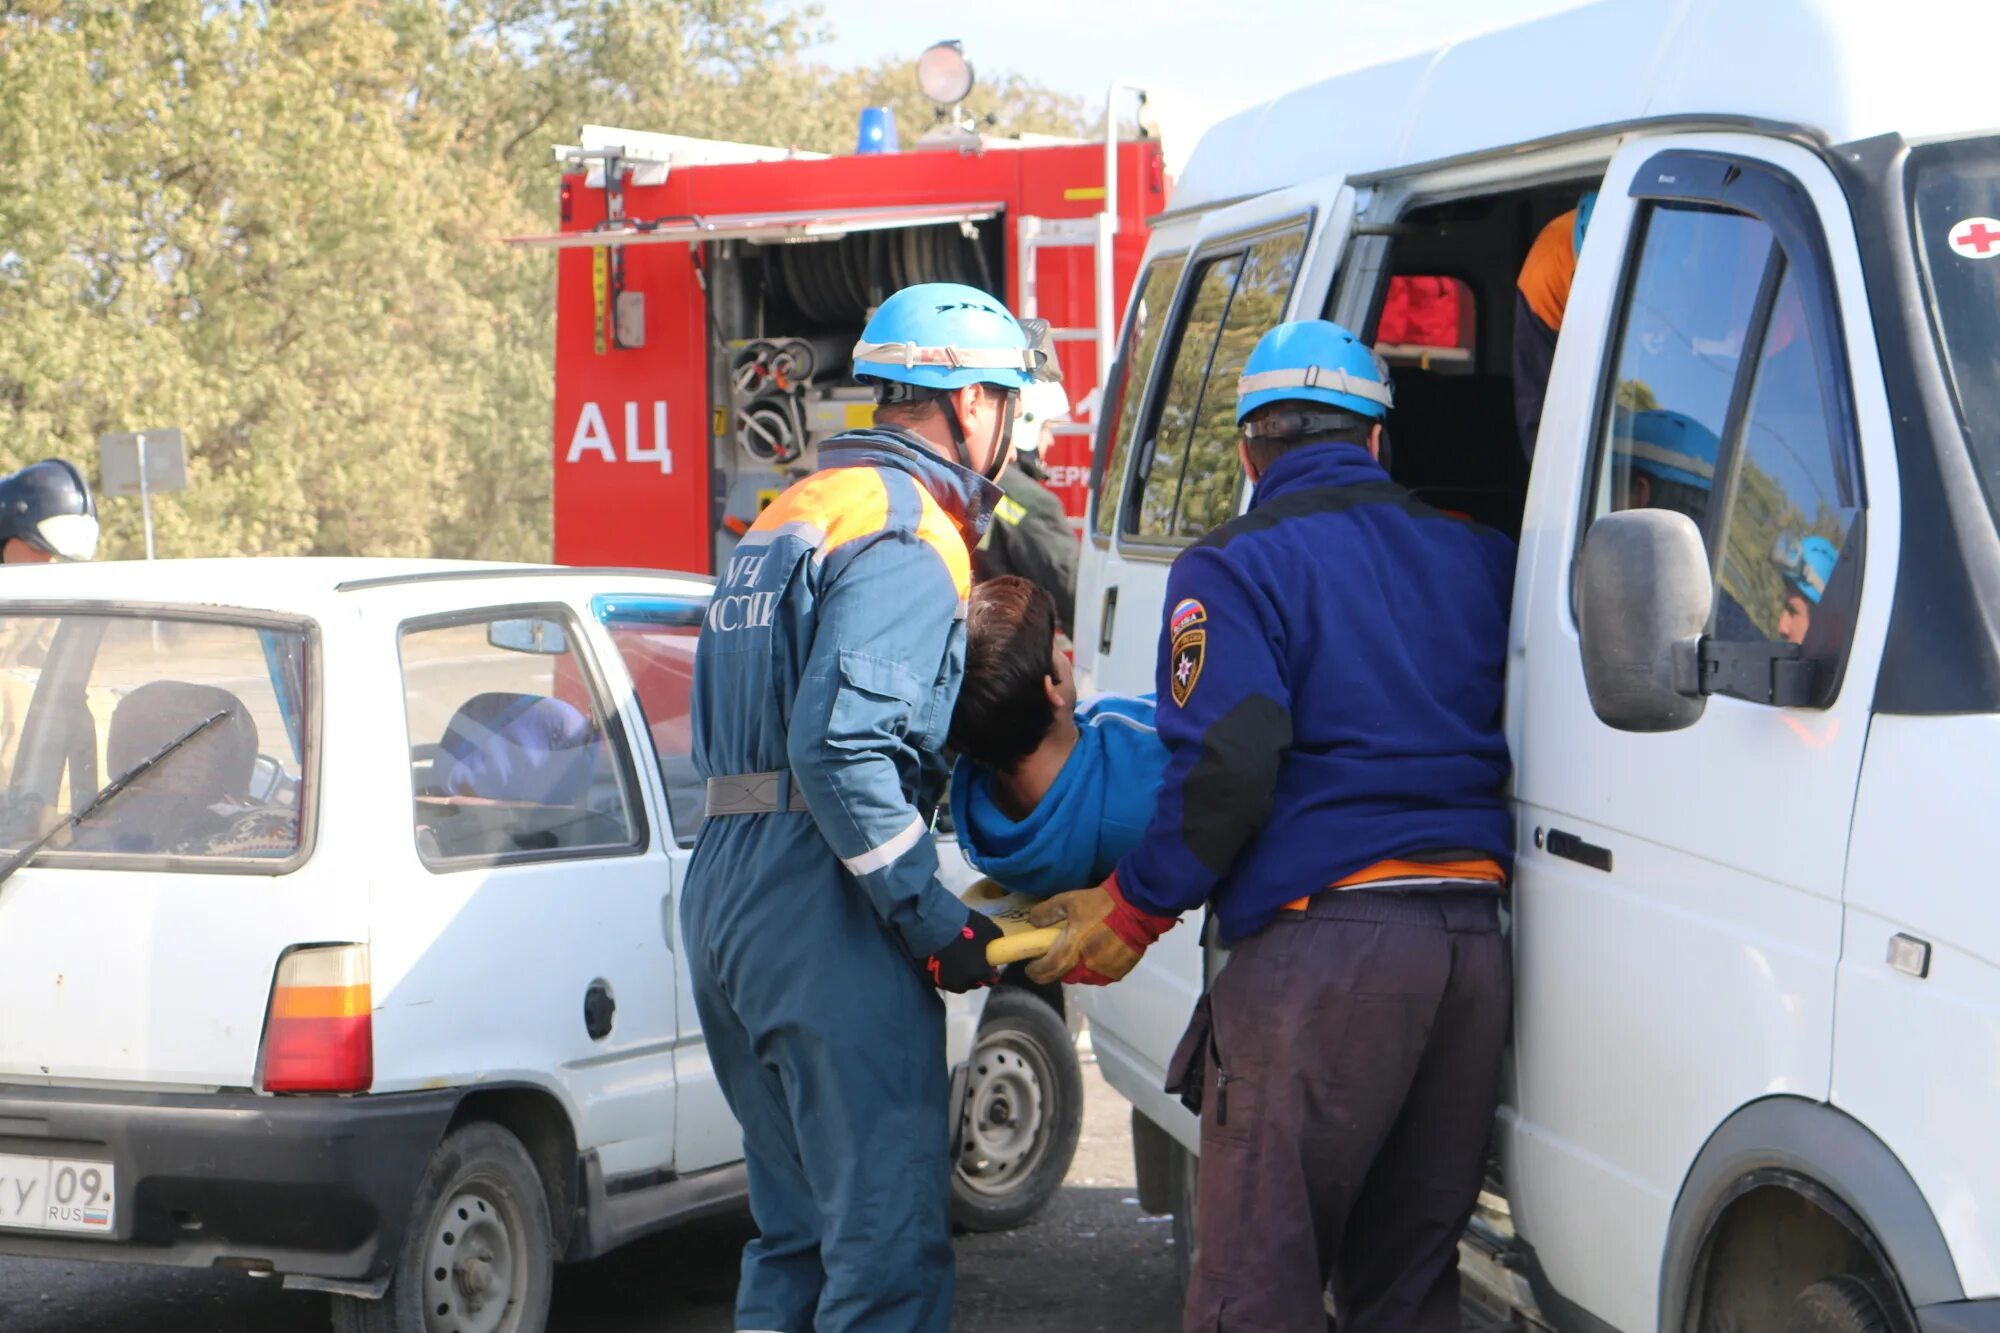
{"points": [[369, 977]]}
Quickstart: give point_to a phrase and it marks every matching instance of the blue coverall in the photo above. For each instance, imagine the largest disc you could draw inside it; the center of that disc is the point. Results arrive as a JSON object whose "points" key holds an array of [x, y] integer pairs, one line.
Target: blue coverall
{"points": [[833, 649]]}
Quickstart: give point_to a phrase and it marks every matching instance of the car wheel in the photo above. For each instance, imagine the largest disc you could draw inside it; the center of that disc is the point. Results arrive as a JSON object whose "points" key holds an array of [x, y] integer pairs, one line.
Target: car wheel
{"points": [[1183, 1168], [1848, 1304], [1023, 1112], [478, 1256]]}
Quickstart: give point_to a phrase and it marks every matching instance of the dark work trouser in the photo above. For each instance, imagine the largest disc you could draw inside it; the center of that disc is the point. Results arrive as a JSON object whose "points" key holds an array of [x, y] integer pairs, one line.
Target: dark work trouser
{"points": [[1347, 1106]]}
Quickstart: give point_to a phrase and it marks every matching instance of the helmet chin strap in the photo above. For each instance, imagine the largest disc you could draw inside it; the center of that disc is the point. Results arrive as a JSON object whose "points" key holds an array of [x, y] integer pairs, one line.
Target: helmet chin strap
{"points": [[1003, 438]]}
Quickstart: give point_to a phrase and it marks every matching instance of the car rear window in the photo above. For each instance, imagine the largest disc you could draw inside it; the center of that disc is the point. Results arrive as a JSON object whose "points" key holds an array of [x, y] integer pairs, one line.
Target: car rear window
{"points": [[213, 714], [1956, 202]]}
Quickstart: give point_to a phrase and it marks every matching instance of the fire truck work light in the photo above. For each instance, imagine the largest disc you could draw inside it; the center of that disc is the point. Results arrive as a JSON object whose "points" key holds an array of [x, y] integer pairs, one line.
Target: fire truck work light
{"points": [[944, 74]]}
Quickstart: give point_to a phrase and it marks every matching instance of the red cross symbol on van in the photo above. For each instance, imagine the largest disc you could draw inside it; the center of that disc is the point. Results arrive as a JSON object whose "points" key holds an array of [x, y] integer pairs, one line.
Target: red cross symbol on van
{"points": [[1976, 238]]}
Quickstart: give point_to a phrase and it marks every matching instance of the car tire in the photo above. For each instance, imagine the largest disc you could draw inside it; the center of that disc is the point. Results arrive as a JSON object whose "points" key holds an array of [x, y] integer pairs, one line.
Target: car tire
{"points": [[1183, 1169], [1846, 1304], [478, 1255], [1022, 1114]]}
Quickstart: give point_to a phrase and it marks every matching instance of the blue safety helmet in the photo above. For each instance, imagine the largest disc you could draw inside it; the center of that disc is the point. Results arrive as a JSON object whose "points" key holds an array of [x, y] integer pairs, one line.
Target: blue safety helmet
{"points": [[942, 336], [1314, 361], [1671, 446], [1807, 565], [1584, 205]]}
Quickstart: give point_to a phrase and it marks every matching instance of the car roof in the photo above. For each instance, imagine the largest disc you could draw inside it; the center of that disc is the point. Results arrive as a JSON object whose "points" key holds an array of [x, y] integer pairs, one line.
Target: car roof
{"points": [[1843, 70], [307, 585]]}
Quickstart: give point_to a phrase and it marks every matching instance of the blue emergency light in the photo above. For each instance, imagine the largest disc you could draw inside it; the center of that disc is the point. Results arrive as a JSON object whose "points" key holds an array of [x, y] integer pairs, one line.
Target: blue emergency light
{"points": [[878, 131]]}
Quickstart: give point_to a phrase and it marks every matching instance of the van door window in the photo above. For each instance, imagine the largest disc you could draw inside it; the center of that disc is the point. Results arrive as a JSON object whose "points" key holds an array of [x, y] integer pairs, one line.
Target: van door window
{"points": [[1143, 329], [1160, 482], [1688, 310], [1191, 479], [1788, 516], [510, 751]]}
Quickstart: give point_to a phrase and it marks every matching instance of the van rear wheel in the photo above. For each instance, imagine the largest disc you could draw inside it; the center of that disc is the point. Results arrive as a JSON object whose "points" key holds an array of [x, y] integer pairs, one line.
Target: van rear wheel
{"points": [[1848, 1304], [478, 1255]]}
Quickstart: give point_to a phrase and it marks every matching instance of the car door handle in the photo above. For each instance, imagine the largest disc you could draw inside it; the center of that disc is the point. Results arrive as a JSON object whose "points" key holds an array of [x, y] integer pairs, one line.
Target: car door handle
{"points": [[1106, 620], [1572, 848], [667, 920]]}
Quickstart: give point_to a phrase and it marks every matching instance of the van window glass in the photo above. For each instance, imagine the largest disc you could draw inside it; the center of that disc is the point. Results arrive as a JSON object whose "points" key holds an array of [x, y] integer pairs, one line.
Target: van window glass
{"points": [[1957, 225], [1427, 323], [85, 699], [1160, 488], [1787, 523], [656, 641], [1213, 477], [509, 751], [1687, 312], [1146, 322]]}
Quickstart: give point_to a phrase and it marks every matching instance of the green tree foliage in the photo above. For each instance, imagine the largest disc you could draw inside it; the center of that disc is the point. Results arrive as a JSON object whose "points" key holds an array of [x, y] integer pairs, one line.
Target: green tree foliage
{"points": [[276, 226]]}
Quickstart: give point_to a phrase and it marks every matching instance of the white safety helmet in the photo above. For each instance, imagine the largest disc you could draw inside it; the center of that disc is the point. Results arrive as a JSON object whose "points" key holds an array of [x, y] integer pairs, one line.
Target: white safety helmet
{"points": [[1042, 403]]}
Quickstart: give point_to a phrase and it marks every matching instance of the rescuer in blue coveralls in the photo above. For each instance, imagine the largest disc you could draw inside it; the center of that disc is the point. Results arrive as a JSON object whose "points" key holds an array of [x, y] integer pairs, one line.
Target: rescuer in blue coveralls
{"points": [[1331, 677], [815, 924]]}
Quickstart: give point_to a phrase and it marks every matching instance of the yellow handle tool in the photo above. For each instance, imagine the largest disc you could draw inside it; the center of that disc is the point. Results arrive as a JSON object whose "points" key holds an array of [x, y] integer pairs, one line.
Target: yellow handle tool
{"points": [[1021, 946]]}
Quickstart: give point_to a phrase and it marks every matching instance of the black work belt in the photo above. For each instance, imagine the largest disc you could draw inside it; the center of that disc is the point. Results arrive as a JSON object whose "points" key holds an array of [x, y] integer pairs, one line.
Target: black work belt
{"points": [[755, 794]]}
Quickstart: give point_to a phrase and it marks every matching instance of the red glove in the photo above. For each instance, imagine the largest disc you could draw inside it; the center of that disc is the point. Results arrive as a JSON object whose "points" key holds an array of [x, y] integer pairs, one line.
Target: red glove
{"points": [[1103, 936]]}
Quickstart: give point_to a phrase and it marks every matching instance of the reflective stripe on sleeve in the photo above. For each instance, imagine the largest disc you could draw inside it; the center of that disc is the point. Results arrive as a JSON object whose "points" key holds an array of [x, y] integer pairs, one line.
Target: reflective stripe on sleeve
{"points": [[883, 854]]}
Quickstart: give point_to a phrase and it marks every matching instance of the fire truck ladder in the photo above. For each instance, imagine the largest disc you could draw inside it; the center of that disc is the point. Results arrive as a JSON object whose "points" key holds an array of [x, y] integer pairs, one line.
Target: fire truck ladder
{"points": [[1100, 233]]}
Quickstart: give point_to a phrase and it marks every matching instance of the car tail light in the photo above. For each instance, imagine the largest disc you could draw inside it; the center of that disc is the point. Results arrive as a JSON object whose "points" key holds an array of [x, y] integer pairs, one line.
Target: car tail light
{"points": [[320, 1035]]}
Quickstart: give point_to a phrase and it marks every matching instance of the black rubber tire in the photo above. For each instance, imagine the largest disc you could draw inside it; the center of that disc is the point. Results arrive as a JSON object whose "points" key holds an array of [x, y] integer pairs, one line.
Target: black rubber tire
{"points": [[1016, 1016], [1845, 1304], [1184, 1171], [481, 1159]]}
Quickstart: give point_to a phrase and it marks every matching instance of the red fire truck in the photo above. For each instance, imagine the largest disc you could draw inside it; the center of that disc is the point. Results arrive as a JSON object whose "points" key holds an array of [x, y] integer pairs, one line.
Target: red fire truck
{"points": [[708, 295]]}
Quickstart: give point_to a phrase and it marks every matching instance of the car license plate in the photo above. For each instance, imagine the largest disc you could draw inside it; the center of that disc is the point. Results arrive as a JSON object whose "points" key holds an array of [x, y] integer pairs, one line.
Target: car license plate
{"points": [[57, 1194]]}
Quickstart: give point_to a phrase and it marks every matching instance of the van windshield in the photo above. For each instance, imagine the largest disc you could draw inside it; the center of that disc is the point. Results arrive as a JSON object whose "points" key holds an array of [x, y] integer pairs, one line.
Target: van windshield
{"points": [[84, 697], [1956, 203]]}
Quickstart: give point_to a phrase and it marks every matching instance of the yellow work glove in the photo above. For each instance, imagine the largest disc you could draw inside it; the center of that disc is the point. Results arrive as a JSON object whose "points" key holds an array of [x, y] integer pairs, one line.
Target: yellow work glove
{"points": [[1103, 936]]}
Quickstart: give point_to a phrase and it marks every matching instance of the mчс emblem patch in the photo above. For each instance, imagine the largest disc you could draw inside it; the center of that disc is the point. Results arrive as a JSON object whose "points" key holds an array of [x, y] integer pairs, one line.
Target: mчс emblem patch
{"points": [[1185, 669]]}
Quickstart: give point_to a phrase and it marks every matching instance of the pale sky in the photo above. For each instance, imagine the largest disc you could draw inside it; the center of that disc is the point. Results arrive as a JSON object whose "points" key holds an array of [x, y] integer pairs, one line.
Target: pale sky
{"points": [[1199, 59]]}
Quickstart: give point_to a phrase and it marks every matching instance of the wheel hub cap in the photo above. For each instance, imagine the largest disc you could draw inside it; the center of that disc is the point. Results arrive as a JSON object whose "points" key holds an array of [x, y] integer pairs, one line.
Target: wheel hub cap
{"points": [[1004, 1112], [471, 1278]]}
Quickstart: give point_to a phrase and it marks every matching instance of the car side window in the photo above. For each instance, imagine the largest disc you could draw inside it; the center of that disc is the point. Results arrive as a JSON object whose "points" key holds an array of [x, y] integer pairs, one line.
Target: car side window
{"points": [[1190, 479], [511, 755], [656, 641], [1147, 322]]}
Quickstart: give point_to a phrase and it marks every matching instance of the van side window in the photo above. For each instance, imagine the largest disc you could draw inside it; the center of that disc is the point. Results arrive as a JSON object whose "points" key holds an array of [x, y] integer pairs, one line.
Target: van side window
{"points": [[1687, 313], [510, 753], [1191, 478], [1147, 322], [1725, 405], [1787, 521], [1160, 482]]}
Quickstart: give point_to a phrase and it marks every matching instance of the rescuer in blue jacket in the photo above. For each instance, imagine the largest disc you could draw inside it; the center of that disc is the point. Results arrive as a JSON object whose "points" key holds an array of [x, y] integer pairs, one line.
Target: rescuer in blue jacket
{"points": [[816, 927], [1330, 680]]}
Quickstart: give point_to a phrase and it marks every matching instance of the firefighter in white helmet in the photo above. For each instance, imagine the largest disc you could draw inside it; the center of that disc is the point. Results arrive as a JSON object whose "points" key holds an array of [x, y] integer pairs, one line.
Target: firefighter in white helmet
{"points": [[1031, 535]]}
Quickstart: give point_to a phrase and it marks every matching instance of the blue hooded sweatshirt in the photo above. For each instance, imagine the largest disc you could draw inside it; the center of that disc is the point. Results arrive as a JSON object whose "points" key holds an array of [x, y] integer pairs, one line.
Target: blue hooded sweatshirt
{"points": [[1091, 815]]}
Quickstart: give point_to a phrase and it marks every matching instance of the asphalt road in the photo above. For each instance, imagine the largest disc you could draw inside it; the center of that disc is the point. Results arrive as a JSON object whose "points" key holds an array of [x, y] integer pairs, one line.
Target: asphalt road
{"points": [[1092, 1261]]}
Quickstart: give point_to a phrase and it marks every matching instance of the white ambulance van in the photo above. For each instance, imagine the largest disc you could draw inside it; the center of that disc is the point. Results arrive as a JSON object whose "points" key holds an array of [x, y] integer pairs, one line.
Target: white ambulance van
{"points": [[1755, 1072]]}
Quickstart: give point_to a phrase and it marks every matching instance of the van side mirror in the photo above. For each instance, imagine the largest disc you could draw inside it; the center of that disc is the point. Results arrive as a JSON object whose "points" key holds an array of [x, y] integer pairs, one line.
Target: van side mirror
{"points": [[1643, 604]]}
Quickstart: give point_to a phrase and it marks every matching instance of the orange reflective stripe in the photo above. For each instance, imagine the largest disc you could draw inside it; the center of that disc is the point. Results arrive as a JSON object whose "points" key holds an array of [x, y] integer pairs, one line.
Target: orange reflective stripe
{"points": [[844, 503], [937, 531], [1548, 270], [319, 1002], [1480, 871]]}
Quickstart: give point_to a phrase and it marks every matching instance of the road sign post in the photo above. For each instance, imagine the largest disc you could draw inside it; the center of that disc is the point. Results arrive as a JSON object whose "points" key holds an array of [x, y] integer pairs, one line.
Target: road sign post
{"points": [[142, 463]]}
